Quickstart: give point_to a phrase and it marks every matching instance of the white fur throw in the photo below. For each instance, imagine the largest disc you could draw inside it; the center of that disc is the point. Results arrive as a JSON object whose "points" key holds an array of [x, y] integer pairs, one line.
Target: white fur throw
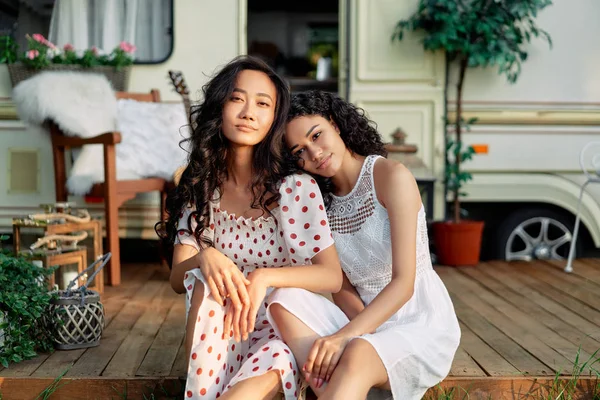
{"points": [[84, 105]]}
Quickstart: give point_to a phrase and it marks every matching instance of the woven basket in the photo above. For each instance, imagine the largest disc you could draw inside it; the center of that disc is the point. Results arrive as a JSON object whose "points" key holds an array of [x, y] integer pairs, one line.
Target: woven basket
{"points": [[118, 78], [76, 318]]}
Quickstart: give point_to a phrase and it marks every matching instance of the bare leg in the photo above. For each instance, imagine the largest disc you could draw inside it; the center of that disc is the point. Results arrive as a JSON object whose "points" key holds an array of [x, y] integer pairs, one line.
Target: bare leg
{"points": [[297, 335], [196, 302], [263, 387], [359, 369]]}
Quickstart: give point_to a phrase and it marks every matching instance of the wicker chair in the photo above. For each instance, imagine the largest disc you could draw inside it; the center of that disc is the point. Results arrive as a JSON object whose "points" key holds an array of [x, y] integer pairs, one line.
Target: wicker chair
{"points": [[113, 192]]}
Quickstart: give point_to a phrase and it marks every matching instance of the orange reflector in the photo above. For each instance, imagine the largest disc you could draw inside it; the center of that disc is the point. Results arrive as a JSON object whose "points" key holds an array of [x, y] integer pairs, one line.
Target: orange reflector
{"points": [[480, 148]]}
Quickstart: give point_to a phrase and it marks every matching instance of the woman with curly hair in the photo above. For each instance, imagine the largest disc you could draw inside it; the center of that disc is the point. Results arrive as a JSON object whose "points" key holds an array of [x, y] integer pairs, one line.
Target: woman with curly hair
{"points": [[394, 326], [232, 219]]}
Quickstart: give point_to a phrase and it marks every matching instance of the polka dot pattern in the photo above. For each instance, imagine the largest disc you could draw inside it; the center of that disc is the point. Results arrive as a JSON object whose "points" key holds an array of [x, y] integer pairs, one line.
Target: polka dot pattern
{"points": [[217, 363]]}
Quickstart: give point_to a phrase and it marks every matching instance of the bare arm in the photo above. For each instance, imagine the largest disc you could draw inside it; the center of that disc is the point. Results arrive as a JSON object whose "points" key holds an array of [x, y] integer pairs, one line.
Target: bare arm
{"points": [[323, 276], [348, 299], [185, 258]]}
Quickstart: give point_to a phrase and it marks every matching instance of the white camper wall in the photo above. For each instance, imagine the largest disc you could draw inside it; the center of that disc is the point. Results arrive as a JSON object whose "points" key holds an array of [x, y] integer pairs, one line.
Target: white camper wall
{"points": [[207, 34], [565, 73]]}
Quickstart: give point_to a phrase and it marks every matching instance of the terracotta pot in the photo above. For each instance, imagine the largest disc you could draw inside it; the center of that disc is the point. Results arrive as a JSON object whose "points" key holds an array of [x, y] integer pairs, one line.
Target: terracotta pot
{"points": [[458, 244]]}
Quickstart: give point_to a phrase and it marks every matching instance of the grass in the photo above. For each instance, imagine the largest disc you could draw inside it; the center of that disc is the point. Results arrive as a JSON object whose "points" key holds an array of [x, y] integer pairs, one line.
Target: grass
{"points": [[53, 387], [562, 389], [558, 389]]}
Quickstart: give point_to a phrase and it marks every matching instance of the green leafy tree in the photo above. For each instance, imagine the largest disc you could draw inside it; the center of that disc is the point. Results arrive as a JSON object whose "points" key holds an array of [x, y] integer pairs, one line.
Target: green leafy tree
{"points": [[474, 33]]}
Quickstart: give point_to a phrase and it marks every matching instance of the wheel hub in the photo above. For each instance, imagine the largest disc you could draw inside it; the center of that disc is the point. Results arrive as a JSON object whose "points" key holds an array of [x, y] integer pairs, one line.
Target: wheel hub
{"points": [[542, 252]]}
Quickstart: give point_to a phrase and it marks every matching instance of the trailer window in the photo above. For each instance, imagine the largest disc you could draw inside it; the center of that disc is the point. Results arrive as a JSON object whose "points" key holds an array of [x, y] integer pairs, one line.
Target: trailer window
{"points": [[147, 24]]}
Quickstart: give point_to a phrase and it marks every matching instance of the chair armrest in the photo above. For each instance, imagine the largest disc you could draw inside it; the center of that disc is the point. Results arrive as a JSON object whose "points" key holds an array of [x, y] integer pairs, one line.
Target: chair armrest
{"points": [[74, 141]]}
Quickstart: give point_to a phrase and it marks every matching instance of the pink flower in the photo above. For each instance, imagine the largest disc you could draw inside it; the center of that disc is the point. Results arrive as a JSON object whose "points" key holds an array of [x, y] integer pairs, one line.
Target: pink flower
{"points": [[95, 50], [69, 47], [127, 47], [39, 38], [31, 54]]}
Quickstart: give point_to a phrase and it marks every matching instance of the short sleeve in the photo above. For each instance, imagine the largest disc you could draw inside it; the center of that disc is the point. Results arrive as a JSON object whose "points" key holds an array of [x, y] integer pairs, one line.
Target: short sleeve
{"points": [[185, 235], [303, 218]]}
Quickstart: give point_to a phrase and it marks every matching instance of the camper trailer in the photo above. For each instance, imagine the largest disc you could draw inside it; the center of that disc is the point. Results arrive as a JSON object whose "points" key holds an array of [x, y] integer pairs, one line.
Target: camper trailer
{"points": [[526, 174]]}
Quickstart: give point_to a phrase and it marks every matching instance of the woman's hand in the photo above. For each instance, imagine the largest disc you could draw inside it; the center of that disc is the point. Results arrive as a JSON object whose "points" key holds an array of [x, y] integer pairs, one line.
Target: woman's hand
{"points": [[324, 357], [224, 279], [257, 290]]}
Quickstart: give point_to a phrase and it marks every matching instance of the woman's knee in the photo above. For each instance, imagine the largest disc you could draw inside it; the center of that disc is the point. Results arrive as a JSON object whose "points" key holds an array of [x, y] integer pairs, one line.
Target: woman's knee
{"points": [[361, 358], [353, 356]]}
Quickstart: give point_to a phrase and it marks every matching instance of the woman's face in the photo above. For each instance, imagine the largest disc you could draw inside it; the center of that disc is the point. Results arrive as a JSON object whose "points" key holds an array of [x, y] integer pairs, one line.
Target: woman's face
{"points": [[249, 111], [317, 143]]}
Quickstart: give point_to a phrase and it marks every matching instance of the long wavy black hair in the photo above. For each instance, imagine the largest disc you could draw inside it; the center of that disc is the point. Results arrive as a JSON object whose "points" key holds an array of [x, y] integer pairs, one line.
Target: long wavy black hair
{"points": [[358, 132], [207, 161]]}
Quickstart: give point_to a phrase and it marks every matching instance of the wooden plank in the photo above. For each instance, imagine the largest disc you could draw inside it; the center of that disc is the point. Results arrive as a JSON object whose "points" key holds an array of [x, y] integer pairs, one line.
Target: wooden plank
{"points": [[583, 310], [511, 388], [92, 389], [567, 283], [132, 351], [570, 333], [463, 365], [180, 365], [161, 355], [528, 340], [559, 344], [543, 299], [486, 357], [58, 363], [582, 267], [24, 368], [118, 296], [95, 360], [501, 343], [578, 280]]}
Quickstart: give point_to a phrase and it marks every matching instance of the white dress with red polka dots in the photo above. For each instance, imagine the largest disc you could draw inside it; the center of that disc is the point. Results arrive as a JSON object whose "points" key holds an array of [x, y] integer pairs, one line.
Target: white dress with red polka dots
{"points": [[296, 232]]}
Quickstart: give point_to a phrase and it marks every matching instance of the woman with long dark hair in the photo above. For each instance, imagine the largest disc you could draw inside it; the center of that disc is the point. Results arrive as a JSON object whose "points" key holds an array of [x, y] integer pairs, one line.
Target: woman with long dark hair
{"points": [[394, 325], [232, 218]]}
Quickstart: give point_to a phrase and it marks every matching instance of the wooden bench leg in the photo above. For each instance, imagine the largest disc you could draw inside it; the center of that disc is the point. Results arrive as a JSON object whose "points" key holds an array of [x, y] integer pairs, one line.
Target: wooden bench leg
{"points": [[112, 244], [111, 204]]}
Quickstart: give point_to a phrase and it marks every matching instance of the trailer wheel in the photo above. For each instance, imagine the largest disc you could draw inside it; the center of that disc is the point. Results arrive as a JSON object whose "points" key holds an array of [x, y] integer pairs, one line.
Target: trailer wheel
{"points": [[535, 234]]}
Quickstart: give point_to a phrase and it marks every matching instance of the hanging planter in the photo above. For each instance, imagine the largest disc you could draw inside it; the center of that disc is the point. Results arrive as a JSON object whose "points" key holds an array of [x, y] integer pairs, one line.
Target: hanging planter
{"points": [[76, 317], [42, 55], [119, 78]]}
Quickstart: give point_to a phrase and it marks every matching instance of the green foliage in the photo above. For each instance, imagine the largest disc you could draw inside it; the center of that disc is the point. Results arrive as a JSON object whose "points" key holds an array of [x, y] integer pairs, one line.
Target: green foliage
{"points": [[486, 32], [24, 301], [474, 33], [8, 50]]}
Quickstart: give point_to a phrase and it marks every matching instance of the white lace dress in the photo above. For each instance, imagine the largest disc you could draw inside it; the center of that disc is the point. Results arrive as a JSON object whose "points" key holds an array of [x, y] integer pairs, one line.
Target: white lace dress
{"points": [[417, 344]]}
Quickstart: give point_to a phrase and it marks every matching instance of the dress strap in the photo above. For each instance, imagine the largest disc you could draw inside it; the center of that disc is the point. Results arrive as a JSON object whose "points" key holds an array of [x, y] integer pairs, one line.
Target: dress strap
{"points": [[369, 165]]}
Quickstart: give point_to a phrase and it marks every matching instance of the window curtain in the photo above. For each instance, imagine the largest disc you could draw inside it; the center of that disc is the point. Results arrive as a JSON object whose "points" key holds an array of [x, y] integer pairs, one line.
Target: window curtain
{"points": [[105, 23]]}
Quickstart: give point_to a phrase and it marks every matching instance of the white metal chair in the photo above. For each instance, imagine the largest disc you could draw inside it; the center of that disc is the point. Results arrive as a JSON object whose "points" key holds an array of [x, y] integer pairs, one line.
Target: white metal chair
{"points": [[589, 160]]}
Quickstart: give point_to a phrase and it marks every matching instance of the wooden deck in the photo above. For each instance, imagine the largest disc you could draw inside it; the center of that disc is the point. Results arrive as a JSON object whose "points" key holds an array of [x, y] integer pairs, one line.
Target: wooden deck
{"points": [[523, 324]]}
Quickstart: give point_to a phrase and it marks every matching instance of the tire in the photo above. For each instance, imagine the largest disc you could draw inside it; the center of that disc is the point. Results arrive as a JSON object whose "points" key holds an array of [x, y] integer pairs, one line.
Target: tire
{"points": [[520, 236]]}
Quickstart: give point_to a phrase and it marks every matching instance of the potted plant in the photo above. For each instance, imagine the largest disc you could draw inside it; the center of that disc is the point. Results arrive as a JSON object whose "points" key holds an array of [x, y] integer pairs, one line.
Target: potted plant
{"points": [[42, 55], [472, 33], [24, 303]]}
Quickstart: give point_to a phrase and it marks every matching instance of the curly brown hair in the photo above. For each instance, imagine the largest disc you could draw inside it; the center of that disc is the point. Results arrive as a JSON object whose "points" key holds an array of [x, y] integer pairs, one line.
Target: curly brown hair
{"points": [[358, 132], [207, 161]]}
